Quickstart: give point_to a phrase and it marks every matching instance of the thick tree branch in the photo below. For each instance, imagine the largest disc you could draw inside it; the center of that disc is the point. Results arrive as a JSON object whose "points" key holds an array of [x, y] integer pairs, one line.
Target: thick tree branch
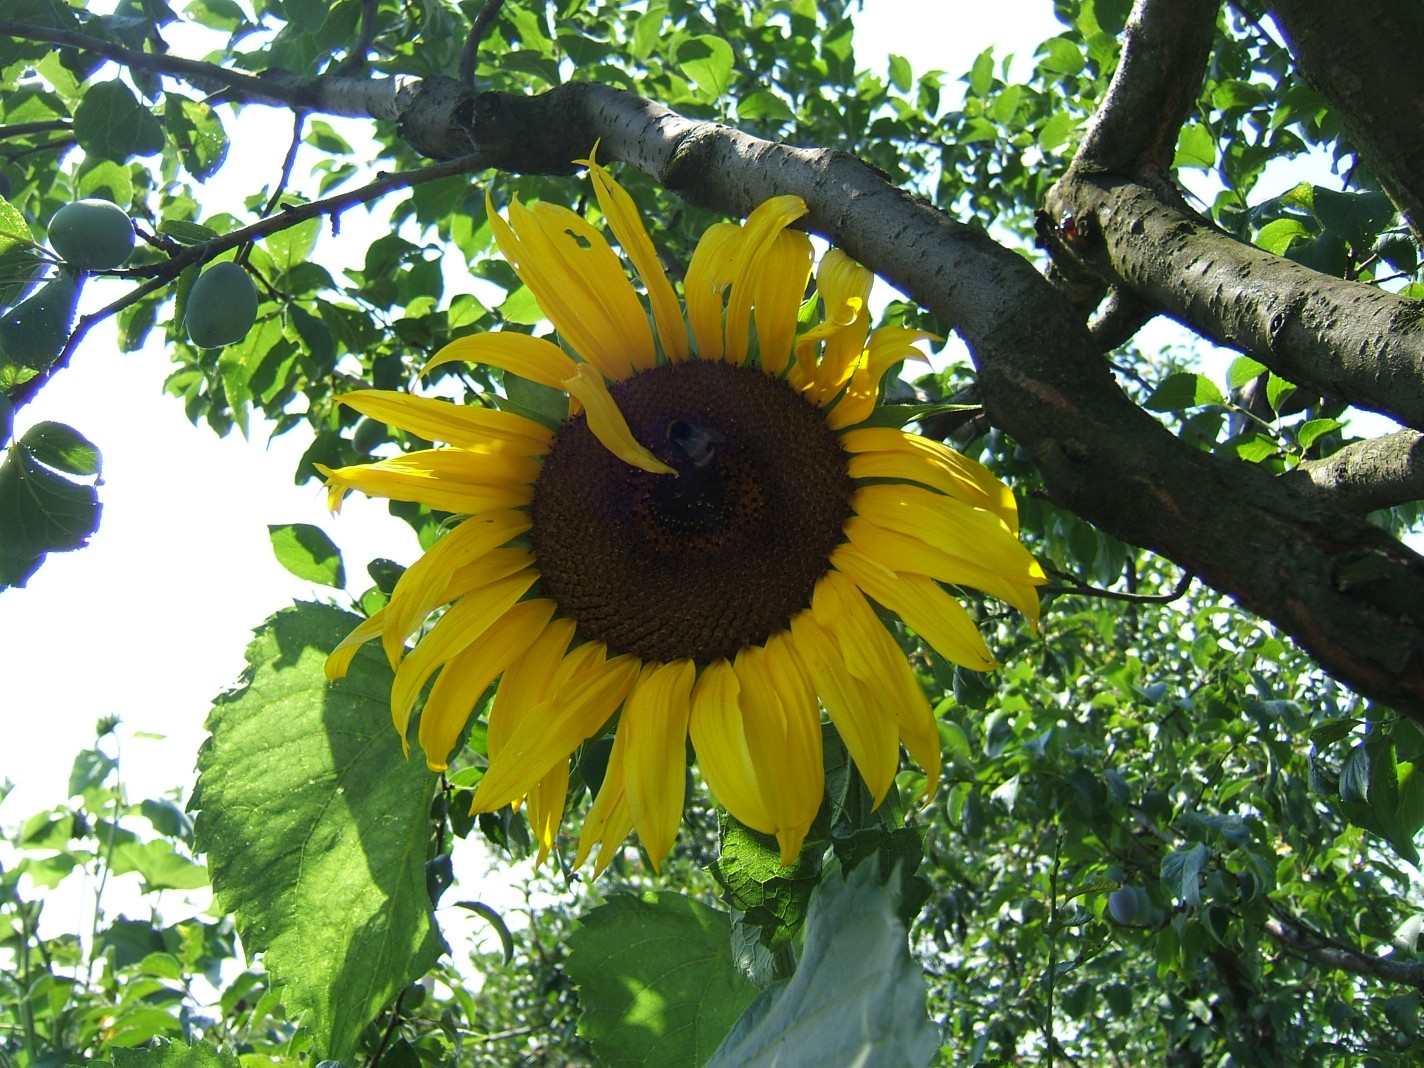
{"points": [[1367, 475], [1362, 56], [1344, 339], [1305, 943], [1154, 89]]}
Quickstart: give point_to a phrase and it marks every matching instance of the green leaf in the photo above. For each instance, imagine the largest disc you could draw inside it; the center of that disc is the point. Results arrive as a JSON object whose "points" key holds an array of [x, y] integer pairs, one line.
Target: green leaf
{"points": [[308, 15], [1181, 872], [1357, 217], [108, 180], [1195, 148], [160, 867], [1243, 369], [857, 997], [315, 826], [41, 510], [198, 134], [753, 882], [308, 553], [1312, 430], [707, 62], [293, 245], [657, 980], [110, 122], [63, 448], [33, 333], [1181, 390], [521, 307], [1278, 235], [764, 104], [175, 1054], [901, 76]]}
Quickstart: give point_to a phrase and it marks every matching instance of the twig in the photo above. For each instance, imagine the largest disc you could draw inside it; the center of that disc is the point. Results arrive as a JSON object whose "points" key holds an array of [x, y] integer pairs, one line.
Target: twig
{"points": [[488, 13], [201, 74], [24, 129], [299, 118], [1082, 589], [197, 254], [356, 59]]}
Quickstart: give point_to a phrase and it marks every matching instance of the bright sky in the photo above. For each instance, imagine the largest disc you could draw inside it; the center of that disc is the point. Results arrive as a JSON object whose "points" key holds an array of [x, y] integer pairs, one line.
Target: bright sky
{"points": [[150, 621]]}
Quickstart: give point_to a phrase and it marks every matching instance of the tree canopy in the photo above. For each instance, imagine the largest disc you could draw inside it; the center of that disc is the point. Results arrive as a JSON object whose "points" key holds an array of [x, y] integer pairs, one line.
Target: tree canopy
{"points": [[1177, 826]]}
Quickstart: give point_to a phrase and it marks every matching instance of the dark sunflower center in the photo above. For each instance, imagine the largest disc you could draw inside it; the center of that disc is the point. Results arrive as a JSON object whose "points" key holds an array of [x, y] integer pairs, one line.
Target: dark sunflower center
{"points": [[720, 557]]}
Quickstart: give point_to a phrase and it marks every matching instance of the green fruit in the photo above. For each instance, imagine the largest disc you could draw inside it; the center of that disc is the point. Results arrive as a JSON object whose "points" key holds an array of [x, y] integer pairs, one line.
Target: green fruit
{"points": [[222, 306], [93, 234]]}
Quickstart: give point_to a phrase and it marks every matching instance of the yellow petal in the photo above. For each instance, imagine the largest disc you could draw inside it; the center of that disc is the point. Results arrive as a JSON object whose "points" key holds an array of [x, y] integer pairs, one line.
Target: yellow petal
{"points": [[844, 287], [455, 424], [926, 609], [610, 818], [528, 357], [586, 690], [526, 682], [449, 480], [422, 588], [976, 535], [922, 459], [462, 623], [868, 732], [872, 656], [898, 549], [546, 808], [888, 346], [719, 738], [783, 737], [781, 286], [464, 679], [579, 284], [708, 275], [654, 728], [338, 663], [766, 222], [608, 424], [627, 225]]}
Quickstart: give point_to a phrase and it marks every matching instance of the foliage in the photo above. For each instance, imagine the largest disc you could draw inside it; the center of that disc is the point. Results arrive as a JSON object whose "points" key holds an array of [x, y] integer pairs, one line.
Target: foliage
{"points": [[1154, 738]]}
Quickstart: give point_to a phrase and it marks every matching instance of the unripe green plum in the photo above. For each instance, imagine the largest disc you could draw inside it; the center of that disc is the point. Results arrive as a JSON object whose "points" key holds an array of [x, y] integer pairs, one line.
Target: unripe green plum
{"points": [[222, 306], [93, 234]]}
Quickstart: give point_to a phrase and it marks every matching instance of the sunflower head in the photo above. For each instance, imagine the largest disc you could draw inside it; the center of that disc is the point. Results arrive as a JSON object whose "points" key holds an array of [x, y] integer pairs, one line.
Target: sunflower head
{"points": [[697, 547]]}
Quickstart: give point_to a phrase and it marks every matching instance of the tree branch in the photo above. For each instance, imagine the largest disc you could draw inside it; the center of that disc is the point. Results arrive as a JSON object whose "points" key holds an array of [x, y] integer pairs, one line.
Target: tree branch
{"points": [[1154, 88], [1367, 475], [1362, 56], [1347, 340], [161, 274], [1300, 940]]}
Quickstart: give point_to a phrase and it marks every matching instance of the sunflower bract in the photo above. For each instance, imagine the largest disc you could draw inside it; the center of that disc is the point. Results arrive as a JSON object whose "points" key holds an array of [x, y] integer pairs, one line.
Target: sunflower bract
{"points": [[697, 552]]}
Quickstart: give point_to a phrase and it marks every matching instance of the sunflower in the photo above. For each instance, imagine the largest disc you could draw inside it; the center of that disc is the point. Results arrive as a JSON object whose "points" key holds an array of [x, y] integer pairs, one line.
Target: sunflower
{"points": [[695, 545]]}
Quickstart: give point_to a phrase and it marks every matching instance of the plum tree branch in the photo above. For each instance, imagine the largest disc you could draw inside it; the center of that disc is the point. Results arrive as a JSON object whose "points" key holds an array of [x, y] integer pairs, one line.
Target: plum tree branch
{"points": [[1362, 56], [1304, 942], [1368, 475], [1347, 340]]}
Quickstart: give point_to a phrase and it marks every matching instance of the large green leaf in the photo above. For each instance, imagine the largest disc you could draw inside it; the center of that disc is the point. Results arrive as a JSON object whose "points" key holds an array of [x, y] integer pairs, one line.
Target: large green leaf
{"points": [[316, 827], [657, 980], [111, 122], [857, 997], [42, 510]]}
